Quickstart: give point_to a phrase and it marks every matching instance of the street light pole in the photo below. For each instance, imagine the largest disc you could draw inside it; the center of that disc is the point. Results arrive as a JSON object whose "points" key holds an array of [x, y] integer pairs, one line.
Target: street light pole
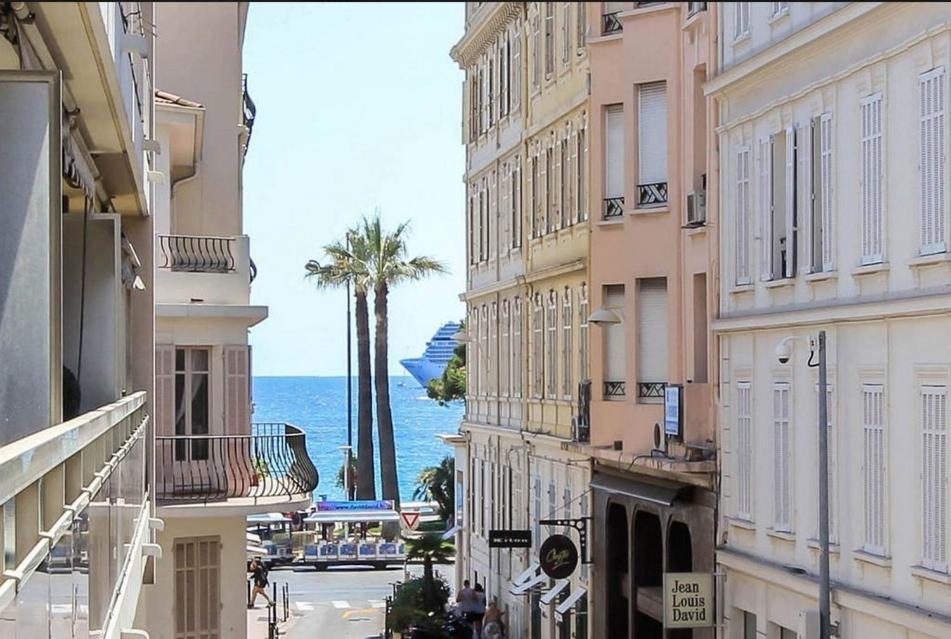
{"points": [[347, 480], [824, 596]]}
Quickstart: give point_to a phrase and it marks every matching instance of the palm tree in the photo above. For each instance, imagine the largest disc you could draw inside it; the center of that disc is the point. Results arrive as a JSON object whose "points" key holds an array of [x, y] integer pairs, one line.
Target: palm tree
{"points": [[388, 267], [348, 265], [436, 483], [341, 480], [429, 548]]}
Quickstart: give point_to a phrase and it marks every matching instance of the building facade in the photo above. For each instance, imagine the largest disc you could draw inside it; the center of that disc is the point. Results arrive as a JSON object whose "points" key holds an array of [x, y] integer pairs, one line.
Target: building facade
{"points": [[832, 141], [525, 129], [653, 241], [76, 486]]}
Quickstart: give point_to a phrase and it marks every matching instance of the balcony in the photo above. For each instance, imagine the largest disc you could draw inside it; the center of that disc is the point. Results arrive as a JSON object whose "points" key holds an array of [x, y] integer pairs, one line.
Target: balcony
{"points": [[654, 194], [650, 392], [610, 23], [613, 207], [248, 111], [268, 468], [614, 390]]}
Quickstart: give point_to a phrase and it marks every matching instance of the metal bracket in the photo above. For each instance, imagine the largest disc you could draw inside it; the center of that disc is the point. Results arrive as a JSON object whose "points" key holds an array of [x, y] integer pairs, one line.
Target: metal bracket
{"points": [[581, 525]]}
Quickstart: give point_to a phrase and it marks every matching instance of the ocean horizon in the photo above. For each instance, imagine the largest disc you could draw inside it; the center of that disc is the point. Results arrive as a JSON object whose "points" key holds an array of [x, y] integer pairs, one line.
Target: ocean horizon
{"points": [[318, 405]]}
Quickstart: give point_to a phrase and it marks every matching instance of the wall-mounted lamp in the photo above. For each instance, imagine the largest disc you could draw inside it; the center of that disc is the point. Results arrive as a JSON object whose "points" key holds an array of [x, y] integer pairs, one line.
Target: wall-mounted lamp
{"points": [[462, 337], [604, 316]]}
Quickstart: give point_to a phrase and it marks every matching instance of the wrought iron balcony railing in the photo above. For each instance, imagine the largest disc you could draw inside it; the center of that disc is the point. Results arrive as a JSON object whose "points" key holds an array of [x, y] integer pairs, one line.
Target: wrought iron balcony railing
{"points": [[614, 389], [248, 110], [610, 23], [613, 207], [197, 254], [270, 462], [654, 194], [651, 391]]}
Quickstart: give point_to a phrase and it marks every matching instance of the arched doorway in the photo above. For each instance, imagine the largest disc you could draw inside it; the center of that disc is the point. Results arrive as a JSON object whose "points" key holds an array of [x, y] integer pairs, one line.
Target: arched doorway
{"points": [[679, 559], [648, 571], [617, 596]]}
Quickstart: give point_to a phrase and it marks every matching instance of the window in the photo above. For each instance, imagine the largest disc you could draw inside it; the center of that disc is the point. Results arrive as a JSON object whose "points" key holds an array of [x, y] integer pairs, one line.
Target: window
{"points": [[505, 71], [778, 9], [778, 205], [581, 193], [744, 451], [505, 355], [749, 625], [538, 349], [934, 490], [583, 331], [484, 351], [490, 94], [551, 501], [515, 202], [483, 225], [873, 247], [565, 32], [651, 338], [614, 161], [610, 23], [931, 164], [515, 92], [563, 183], [493, 360], [652, 144], [517, 348], [536, 52], [550, 219], [782, 458], [551, 346], [473, 379], [567, 352], [833, 465], [873, 428], [786, 633], [821, 216], [537, 510], [741, 20], [614, 348], [192, 401], [197, 601], [581, 24], [536, 226], [549, 37], [743, 216], [473, 229]]}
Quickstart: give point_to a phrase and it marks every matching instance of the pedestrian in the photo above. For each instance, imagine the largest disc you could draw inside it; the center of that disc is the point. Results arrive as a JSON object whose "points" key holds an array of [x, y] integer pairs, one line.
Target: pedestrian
{"points": [[494, 626], [479, 611], [466, 600], [259, 576]]}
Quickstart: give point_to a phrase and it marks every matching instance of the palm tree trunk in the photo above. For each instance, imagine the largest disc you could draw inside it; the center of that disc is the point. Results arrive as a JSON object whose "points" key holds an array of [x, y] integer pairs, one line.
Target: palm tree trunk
{"points": [[384, 416], [366, 484]]}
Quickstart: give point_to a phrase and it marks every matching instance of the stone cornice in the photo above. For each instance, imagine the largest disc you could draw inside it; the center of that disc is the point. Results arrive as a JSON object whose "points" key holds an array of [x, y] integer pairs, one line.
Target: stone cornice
{"points": [[474, 42]]}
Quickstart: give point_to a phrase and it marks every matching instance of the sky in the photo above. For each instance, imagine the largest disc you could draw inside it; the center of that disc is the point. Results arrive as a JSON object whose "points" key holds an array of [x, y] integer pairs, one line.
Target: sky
{"points": [[358, 107]]}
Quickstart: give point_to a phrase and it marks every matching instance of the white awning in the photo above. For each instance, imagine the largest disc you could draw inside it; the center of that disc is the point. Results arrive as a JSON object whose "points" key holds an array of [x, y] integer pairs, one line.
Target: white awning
{"points": [[549, 596], [449, 534], [523, 588], [332, 516], [268, 518], [253, 540], [569, 602], [528, 574]]}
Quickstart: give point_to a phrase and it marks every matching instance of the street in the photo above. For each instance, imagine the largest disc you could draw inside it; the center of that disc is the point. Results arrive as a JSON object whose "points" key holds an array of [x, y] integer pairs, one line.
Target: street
{"points": [[341, 603]]}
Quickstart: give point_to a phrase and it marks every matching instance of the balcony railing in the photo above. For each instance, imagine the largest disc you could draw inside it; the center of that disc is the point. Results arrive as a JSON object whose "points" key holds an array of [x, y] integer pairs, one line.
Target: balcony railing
{"points": [[613, 207], [654, 194], [610, 23], [248, 110], [270, 462], [197, 254], [651, 391], [614, 389]]}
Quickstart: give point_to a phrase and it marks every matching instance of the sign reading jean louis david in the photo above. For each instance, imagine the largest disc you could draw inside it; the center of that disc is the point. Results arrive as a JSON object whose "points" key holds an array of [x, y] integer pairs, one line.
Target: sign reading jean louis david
{"points": [[558, 557], [688, 600]]}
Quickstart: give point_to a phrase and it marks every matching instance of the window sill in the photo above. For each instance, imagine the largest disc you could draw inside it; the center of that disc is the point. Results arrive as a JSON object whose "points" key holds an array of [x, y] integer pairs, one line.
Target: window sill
{"points": [[742, 288], [781, 535], [813, 544], [871, 269], [743, 38], [822, 276], [737, 522], [780, 283], [649, 210], [778, 17], [611, 221], [931, 575], [869, 558], [697, 230], [933, 259]]}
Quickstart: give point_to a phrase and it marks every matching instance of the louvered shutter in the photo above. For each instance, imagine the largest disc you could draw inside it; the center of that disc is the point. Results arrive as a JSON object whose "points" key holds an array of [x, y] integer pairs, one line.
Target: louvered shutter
{"points": [[237, 395], [614, 152], [790, 203], [805, 200], [615, 350], [872, 213], [934, 428], [554, 184], [164, 389], [781, 458], [766, 207], [931, 105], [516, 90], [827, 199], [743, 216], [652, 330], [744, 451], [652, 133], [874, 467], [575, 195]]}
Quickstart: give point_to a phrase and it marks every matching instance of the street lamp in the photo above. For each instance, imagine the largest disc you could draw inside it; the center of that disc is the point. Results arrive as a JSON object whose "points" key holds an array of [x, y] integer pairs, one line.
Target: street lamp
{"points": [[346, 470], [604, 316], [461, 336], [783, 354]]}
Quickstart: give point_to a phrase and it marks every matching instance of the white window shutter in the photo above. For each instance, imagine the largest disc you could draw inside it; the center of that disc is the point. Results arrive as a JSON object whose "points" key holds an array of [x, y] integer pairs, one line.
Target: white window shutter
{"points": [[804, 196], [164, 389], [790, 208], [652, 133], [934, 429], [872, 163], [826, 159], [516, 70], [743, 216], [932, 162], [782, 501], [652, 330], [237, 395], [744, 452], [575, 212], [614, 152], [766, 208], [874, 467]]}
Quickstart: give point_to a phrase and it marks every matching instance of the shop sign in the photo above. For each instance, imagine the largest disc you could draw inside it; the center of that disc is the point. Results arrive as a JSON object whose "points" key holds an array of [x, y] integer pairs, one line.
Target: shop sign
{"points": [[510, 539], [673, 410], [688, 600], [360, 504], [558, 557]]}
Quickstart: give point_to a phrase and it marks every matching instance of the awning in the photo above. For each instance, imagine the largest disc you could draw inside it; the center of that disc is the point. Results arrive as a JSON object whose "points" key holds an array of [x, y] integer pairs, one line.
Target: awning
{"points": [[257, 551], [528, 574], [549, 596], [254, 540], [663, 494], [523, 588], [268, 518], [332, 516], [569, 602], [449, 534]]}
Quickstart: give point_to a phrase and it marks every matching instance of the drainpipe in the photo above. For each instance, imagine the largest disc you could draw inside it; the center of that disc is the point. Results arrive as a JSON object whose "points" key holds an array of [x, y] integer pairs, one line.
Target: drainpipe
{"points": [[824, 595]]}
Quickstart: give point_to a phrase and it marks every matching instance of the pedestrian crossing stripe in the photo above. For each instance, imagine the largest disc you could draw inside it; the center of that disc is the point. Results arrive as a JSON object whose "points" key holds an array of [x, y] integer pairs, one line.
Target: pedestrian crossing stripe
{"points": [[304, 606], [340, 604], [378, 604]]}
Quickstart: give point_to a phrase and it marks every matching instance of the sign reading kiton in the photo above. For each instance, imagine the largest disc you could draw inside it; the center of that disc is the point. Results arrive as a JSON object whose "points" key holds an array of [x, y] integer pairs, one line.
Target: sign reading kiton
{"points": [[688, 600]]}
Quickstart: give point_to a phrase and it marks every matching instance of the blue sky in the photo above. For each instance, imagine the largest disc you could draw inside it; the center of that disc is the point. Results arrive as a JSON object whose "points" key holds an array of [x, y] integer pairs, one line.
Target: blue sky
{"points": [[358, 107]]}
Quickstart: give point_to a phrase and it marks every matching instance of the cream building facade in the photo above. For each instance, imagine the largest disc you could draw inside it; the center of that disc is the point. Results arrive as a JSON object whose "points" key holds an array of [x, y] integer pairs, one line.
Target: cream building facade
{"points": [[833, 138], [525, 128]]}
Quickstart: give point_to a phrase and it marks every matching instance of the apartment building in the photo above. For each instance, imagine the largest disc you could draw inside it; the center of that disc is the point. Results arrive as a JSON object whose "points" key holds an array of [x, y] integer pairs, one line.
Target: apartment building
{"points": [[832, 141], [653, 369], [213, 466], [76, 327], [525, 130]]}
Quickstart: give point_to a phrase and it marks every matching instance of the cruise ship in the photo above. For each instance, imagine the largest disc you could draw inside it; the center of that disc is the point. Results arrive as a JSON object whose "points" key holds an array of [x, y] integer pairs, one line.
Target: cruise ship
{"points": [[434, 359]]}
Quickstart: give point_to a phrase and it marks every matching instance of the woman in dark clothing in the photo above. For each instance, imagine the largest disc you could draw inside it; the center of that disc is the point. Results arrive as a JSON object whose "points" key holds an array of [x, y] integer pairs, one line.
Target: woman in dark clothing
{"points": [[259, 575]]}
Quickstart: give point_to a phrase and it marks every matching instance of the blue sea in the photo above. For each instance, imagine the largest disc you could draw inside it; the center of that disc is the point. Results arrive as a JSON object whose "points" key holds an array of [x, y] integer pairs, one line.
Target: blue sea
{"points": [[318, 405]]}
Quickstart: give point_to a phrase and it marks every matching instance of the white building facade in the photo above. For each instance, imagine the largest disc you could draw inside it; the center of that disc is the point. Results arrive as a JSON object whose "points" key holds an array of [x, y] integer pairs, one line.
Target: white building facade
{"points": [[833, 138]]}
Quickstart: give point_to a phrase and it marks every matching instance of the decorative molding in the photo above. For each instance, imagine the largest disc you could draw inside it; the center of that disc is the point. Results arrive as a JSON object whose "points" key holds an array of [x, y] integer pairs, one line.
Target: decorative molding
{"points": [[475, 41]]}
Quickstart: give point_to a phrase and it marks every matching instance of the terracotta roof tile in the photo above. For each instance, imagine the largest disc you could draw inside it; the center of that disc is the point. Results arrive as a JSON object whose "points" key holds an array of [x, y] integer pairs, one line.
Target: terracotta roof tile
{"points": [[164, 97]]}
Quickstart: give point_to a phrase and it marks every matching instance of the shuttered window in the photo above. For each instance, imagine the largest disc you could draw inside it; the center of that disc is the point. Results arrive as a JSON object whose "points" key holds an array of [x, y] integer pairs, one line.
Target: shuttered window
{"points": [[782, 459], [583, 331], [549, 37], [931, 99], [873, 248], [516, 72], [493, 352], [538, 350], [765, 192], [505, 352], [821, 215], [164, 389], [517, 348], [614, 152], [197, 600], [565, 32], [567, 350], [741, 19], [833, 466], [581, 192], [874, 463], [581, 25], [743, 214], [537, 507], [551, 346], [652, 330], [652, 133], [237, 390], [536, 53], [615, 348], [934, 490], [744, 451], [786, 245]]}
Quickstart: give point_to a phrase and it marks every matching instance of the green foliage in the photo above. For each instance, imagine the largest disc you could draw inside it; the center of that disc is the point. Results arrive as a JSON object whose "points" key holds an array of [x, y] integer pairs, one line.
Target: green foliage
{"points": [[353, 477], [452, 385], [429, 547], [437, 483], [420, 604]]}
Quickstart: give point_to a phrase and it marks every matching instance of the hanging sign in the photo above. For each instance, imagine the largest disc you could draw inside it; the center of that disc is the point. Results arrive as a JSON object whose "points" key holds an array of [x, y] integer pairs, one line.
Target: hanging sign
{"points": [[558, 557], [360, 504], [673, 410], [510, 539], [410, 519], [688, 600]]}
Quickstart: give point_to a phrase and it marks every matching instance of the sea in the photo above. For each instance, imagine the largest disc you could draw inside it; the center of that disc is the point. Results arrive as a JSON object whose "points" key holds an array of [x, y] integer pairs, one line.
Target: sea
{"points": [[318, 405]]}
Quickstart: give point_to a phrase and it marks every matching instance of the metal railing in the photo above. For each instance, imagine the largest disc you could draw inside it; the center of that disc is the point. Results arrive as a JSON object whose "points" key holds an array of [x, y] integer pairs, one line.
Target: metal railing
{"points": [[197, 254], [651, 390], [613, 207], [272, 461], [248, 110], [652, 194], [610, 23], [615, 389]]}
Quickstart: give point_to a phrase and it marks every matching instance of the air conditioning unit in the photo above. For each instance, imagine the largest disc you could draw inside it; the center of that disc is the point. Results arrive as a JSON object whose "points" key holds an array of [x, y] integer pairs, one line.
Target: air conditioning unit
{"points": [[660, 438], [696, 209]]}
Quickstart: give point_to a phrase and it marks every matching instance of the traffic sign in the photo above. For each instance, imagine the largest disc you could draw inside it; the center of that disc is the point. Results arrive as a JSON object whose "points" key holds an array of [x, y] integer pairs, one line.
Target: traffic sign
{"points": [[410, 519]]}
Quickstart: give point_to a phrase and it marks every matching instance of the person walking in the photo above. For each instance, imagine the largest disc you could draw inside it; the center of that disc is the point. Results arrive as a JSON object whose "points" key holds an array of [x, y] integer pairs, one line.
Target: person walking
{"points": [[493, 624], [479, 610], [259, 576]]}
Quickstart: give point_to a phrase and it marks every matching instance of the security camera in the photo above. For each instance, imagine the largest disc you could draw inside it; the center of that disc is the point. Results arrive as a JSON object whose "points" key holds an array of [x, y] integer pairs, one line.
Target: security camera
{"points": [[783, 352]]}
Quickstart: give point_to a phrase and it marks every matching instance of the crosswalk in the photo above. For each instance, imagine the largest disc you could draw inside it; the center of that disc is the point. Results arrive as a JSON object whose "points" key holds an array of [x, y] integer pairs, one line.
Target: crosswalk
{"points": [[308, 606]]}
